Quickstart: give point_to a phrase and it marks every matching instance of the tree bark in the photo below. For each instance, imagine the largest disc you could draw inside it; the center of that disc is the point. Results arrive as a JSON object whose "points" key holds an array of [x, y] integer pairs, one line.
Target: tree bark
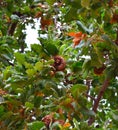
{"points": [[97, 100]]}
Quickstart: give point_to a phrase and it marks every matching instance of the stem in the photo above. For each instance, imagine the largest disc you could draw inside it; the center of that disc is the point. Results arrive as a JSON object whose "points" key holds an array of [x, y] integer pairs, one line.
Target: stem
{"points": [[96, 102]]}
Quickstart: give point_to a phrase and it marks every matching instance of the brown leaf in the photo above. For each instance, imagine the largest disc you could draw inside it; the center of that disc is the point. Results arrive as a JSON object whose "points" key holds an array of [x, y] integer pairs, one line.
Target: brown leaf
{"points": [[45, 23]]}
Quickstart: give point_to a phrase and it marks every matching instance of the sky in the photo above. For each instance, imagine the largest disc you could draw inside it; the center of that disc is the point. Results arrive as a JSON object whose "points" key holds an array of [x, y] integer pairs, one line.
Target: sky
{"points": [[32, 34]]}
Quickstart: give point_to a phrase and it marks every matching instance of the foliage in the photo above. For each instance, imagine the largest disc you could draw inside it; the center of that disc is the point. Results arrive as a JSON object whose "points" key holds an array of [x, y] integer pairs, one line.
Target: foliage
{"points": [[70, 79]]}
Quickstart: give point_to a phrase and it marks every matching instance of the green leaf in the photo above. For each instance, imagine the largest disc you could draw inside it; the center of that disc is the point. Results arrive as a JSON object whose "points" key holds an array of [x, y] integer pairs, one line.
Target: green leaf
{"points": [[50, 62], [50, 2], [30, 72], [1, 110], [107, 39], [83, 28], [28, 65], [86, 67], [77, 66], [59, 75], [29, 105], [15, 82], [38, 66], [26, 9], [7, 72], [115, 116], [76, 124], [78, 89], [69, 15], [36, 48], [20, 58], [51, 49], [74, 3], [7, 115], [37, 125], [5, 56], [62, 48]]}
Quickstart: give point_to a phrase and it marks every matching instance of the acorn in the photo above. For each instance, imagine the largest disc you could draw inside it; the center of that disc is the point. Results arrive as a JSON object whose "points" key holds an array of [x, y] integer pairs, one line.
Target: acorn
{"points": [[59, 63]]}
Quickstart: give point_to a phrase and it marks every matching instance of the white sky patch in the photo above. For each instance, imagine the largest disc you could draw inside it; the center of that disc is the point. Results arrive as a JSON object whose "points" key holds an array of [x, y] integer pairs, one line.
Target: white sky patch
{"points": [[32, 34]]}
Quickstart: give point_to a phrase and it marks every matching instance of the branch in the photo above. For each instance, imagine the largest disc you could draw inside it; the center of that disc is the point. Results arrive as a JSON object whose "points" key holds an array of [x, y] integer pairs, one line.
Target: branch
{"points": [[12, 28], [99, 97]]}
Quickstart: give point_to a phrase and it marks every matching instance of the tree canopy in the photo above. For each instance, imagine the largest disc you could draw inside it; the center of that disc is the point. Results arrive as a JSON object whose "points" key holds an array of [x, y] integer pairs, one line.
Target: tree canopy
{"points": [[69, 80]]}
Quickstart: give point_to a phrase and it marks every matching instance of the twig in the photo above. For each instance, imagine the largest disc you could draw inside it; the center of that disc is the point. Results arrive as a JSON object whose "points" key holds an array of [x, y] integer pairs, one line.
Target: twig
{"points": [[91, 97], [97, 100]]}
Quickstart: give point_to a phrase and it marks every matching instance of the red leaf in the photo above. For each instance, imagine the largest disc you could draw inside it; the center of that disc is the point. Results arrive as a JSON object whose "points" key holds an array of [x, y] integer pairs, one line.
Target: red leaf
{"points": [[77, 37], [73, 34]]}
